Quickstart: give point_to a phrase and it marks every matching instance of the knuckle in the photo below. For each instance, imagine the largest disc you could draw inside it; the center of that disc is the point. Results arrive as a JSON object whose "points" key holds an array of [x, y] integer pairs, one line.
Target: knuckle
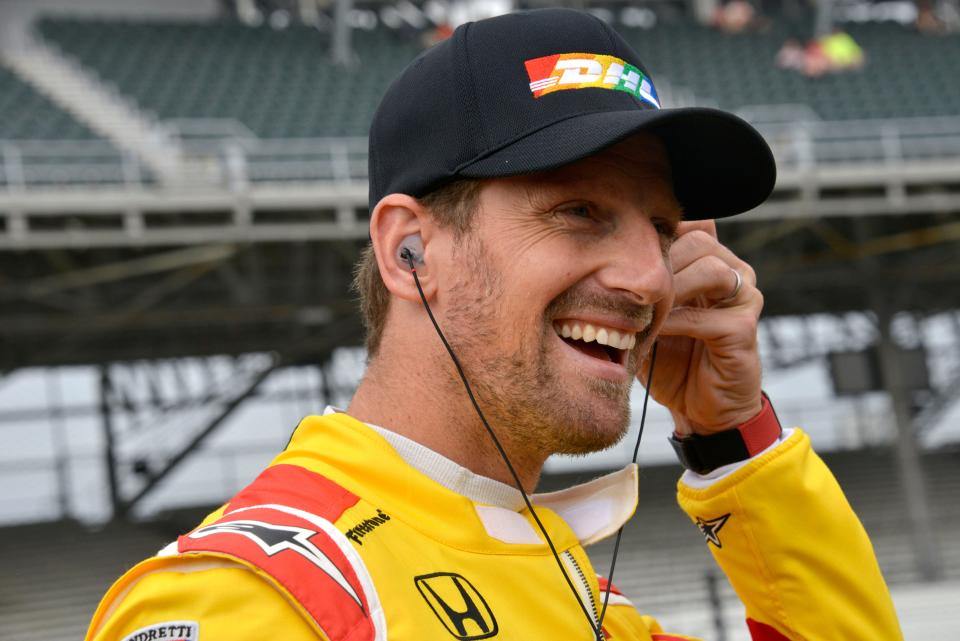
{"points": [[752, 320], [746, 327], [715, 266], [700, 238]]}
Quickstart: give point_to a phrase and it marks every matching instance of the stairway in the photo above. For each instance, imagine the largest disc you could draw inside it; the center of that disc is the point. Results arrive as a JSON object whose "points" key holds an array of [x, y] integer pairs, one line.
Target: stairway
{"points": [[92, 102]]}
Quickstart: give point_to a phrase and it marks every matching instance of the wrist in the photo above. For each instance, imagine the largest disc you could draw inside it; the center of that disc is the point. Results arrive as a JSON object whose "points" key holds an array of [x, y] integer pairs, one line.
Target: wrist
{"points": [[704, 452], [684, 426]]}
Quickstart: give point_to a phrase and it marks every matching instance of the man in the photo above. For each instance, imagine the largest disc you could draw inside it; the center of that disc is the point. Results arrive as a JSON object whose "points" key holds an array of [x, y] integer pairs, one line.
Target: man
{"points": [[529, 197]]}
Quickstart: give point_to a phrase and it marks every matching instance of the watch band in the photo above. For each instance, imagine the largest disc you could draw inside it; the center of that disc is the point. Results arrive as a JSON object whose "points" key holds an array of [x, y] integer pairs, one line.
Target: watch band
{"points": [[705, 453]]}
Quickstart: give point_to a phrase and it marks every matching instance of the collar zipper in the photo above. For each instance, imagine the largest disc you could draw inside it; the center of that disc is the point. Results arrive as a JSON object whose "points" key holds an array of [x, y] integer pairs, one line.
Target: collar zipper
{"points": [[583, 586]]}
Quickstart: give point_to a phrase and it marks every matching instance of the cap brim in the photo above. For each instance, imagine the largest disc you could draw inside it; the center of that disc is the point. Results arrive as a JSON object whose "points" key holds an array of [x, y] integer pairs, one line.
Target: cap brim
{"points": [[721, 165]]}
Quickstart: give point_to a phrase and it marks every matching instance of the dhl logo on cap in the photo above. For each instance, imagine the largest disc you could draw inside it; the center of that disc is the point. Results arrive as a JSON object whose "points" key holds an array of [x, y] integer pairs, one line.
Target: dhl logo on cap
{"points": [[581, 70]]}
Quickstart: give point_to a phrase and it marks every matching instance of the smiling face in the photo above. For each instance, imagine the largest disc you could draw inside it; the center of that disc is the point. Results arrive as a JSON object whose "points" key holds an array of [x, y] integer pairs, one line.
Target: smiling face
{"points": [[557, 291]]}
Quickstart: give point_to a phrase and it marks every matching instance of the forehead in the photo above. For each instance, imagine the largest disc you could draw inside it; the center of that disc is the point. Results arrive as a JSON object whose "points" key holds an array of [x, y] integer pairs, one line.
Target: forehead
{"points": [[637, 168]]}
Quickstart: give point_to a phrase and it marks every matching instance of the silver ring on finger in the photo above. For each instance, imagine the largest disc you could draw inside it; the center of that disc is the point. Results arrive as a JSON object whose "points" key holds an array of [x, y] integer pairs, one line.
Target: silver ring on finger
{"points": [[736, 288]]}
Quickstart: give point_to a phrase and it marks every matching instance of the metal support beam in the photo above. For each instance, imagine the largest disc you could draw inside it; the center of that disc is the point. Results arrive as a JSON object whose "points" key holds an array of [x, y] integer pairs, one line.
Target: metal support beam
{"points": [[326, 393], [716, 605], [227, 410], [885, 303], [925, 549], [342, 52], [59, 439], [109, 450]]}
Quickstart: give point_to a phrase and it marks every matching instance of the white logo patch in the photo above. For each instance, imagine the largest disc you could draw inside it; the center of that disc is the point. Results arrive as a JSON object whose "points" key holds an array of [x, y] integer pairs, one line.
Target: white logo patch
{"points": [[168, 630]]}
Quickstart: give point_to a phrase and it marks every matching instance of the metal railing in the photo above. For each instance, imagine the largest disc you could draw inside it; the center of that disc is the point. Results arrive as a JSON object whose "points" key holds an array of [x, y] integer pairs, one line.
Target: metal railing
{"points": [[41, 164], [223, 155], [807, 143]]}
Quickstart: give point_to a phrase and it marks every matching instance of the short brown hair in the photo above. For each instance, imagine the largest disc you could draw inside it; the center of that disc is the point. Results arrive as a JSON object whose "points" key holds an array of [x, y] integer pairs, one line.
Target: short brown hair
{"points": [[451, 205]]}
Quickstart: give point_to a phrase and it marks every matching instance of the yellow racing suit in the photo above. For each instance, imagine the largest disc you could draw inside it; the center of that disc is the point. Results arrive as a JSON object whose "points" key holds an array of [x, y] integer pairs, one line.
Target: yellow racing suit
{"points": [[343, 539]]}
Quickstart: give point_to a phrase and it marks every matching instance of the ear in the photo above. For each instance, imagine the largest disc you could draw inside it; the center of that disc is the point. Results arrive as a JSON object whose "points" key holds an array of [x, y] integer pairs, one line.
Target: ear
{"points": [[396, 217]]}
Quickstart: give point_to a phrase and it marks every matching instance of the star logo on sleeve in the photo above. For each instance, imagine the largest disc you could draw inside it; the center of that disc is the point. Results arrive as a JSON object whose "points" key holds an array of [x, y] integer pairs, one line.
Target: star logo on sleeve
{"points": [[711, 528], [274, 539]]}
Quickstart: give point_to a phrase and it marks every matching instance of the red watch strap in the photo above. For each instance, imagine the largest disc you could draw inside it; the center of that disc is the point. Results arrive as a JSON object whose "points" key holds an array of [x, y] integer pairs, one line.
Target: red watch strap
{"points": [[704, 453], [761, 431]]}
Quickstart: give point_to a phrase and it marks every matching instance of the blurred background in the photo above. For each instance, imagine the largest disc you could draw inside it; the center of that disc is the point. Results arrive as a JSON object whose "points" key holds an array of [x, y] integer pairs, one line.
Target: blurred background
{"points": [[183, 193]]}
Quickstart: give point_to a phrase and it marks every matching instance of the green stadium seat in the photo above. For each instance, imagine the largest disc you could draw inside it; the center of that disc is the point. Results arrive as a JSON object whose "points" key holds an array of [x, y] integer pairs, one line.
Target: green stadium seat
{"points": [[282, 83], [53, 148], [25, 114]]}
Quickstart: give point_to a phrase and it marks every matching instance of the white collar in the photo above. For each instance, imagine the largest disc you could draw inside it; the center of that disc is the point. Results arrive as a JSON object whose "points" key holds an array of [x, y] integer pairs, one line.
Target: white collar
{"points": [[594, 510]]}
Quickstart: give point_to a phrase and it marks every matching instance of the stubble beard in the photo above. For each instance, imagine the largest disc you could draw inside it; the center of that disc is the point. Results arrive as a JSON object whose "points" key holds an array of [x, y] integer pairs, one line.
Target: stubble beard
{"points": [[522, 394]]}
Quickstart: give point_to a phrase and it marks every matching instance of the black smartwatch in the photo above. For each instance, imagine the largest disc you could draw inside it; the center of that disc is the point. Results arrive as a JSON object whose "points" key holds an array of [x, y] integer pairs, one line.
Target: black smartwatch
{"points": [[704, 453]]}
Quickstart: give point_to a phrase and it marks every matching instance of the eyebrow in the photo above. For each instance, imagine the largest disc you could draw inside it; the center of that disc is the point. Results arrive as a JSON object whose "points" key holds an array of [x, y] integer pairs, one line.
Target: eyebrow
{"points": [[537, 196], [540, 194]]}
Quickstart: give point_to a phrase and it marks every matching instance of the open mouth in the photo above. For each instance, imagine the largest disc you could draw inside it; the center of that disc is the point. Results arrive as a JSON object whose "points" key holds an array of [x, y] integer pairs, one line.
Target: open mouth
{"points": [[603, 343]]}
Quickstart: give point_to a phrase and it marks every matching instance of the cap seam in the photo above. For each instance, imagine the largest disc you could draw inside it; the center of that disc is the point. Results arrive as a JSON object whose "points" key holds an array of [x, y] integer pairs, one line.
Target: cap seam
{"points": [[612, 43], [476, 114], [604, 28]]}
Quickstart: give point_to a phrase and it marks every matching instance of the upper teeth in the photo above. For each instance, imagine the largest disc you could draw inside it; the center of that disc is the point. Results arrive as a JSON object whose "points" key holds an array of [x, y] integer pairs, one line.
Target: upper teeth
{"points": [[604, 335]]}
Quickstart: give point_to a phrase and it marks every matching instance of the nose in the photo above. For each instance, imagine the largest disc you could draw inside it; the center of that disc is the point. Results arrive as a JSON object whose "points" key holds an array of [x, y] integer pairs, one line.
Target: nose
{"points": [[636, 263]]}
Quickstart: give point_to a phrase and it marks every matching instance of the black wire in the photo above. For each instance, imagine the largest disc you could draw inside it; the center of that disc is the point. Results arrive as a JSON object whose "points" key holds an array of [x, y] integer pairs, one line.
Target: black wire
{"points": [[503, 454], [636, 451]]}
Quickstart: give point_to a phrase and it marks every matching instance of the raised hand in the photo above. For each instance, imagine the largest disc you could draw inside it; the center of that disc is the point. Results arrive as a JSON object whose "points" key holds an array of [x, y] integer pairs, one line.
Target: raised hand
{"points": [[708, 366]]}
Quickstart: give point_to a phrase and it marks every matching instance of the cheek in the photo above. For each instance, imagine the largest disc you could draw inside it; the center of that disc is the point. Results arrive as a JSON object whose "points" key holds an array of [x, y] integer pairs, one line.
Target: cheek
{"points": [[541, 273], [535, 287]]}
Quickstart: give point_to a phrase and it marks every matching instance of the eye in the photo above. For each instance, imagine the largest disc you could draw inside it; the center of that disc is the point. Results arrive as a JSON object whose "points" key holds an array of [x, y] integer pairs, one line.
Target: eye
{"points": [[667, 229], [577, 210]]}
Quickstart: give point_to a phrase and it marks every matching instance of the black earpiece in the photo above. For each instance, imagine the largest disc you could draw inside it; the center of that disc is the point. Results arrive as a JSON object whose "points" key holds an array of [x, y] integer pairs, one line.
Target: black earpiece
{"points": [[411, 251]]}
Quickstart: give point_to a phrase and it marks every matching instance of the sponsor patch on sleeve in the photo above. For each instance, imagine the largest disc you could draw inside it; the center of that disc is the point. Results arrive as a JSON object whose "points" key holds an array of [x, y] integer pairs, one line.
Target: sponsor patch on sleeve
{"points": [[167, 630]]}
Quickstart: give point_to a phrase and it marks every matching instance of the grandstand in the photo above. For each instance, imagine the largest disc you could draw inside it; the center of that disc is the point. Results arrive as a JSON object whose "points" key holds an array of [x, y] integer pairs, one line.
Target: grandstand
{"points": [[224, 69], [45, 145], [907, 75], [215, 106], [277, 84], [25, 114], [178, 187]]}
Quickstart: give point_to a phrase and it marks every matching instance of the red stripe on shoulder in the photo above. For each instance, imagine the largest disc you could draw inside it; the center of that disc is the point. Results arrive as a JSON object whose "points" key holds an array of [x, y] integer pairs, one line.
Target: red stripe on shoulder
{"points": [[282, 523], [763, 632], [303, 553], [297, 487], [603, 586], [668, 637]]}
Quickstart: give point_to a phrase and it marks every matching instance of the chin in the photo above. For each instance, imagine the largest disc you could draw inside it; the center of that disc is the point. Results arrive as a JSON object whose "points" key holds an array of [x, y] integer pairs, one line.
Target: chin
{"points": [[588, 441], [597, 427]]}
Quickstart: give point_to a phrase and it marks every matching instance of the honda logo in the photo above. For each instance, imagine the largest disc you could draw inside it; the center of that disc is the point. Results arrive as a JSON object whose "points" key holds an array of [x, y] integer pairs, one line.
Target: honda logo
{"points": [[462, 610]]}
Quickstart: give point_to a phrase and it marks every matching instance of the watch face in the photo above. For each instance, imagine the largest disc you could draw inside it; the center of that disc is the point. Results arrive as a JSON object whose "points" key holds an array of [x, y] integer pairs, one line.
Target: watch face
{"points": [[703, 454], [686, 455]]}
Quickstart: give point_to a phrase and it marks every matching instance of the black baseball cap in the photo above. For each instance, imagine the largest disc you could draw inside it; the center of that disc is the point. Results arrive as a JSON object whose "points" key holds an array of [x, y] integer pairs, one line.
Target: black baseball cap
{"points": [[535, 90]]}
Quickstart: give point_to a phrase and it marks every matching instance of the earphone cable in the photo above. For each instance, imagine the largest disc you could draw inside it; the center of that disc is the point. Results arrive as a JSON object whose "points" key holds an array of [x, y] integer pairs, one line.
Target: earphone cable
{"points": [[636, 451], [503, 454]]}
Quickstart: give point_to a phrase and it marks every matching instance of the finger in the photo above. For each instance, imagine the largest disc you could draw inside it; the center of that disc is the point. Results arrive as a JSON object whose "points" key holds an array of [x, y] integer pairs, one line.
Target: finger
{"points": [[707, 226], [696, 244], [708, 277], [731, 325]]}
